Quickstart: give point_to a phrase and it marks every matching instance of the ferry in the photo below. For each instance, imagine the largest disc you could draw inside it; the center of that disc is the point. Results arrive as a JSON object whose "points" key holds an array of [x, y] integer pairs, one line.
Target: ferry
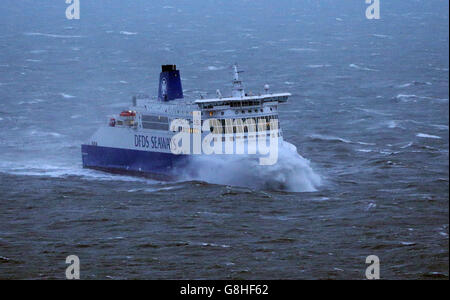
{"points": [[158, 137]]}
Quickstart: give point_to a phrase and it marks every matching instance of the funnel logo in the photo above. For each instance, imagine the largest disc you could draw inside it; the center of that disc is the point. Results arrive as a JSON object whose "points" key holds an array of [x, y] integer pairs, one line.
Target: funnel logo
{"points": [[164, 87]]}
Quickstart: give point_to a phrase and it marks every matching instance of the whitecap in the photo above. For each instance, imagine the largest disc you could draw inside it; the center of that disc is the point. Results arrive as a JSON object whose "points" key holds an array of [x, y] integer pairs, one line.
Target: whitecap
{"points": [[66, 96], [394, 124], [45, 133], [405, 96], [373, 111], [318, 66], [329, 138], [444, 234], [128, 33], [370, 206], [413, 83], [408, 97], [205, 244], [407, 145], [408, 243], [39, 168], [34, 101], [383, 36], [429, 136], [365, 150], [355, 66], [404, 85], [366, 144], [59, 36]]}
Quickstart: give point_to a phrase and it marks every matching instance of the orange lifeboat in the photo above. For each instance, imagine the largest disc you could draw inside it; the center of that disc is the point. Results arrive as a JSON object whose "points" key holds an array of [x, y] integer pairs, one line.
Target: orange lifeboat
{"points": [[128, 113]]}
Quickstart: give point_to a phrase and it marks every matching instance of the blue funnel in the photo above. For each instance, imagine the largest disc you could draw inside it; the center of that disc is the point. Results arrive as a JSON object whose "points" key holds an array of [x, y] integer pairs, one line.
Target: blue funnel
{"points": [[169, 83]]}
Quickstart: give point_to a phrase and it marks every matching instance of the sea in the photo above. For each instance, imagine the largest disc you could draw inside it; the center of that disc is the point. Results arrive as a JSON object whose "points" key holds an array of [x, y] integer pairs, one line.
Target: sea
{"points": [[365, 170]]}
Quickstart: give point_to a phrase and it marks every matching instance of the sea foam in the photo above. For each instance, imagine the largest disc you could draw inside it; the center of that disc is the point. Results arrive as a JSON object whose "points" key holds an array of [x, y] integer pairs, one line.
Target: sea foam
{"points": [[292, 172]]}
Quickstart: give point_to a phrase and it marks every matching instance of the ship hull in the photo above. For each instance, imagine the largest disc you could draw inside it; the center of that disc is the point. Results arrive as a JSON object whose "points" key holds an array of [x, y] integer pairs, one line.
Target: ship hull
{"points": [[156, 165]]}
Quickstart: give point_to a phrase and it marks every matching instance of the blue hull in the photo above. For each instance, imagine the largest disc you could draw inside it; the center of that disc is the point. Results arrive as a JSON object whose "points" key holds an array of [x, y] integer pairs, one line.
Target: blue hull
{"points": [[132, 162]]}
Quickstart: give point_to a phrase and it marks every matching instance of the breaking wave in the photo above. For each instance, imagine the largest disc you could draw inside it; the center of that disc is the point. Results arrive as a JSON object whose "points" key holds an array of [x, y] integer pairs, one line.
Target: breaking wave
{"points": [[355, 66], [292, 172], [128, 33], [58, 36], [428, 136]]}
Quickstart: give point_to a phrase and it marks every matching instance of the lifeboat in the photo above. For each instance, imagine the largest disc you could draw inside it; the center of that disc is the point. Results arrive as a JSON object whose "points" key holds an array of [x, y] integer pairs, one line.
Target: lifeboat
{"points": [[128, 113]]}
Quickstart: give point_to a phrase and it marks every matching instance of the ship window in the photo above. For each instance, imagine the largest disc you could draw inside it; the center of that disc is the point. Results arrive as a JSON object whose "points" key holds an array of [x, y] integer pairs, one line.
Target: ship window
{"points": [[155, 126], [157, 119]]}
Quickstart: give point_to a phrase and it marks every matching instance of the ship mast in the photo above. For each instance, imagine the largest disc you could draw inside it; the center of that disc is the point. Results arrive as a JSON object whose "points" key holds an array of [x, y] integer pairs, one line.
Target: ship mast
{"points": [[238, 89]]}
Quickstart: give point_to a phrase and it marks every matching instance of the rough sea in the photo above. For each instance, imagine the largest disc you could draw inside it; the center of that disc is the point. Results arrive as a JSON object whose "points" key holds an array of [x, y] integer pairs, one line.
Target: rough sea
{"points": [[369, 116]]}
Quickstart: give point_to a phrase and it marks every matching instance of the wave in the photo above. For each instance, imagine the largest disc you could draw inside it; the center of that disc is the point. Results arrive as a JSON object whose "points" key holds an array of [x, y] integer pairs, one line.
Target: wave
{"points": [[34, 101], [382, 36], [355, 66], [37, 168], [66, 96], [321, 137], [44, 134], [415, 83], [329, 138], [429, 136], [438, 126], [292, 172], [318, 66], [128, 33], [58, 36], [413, 98]]}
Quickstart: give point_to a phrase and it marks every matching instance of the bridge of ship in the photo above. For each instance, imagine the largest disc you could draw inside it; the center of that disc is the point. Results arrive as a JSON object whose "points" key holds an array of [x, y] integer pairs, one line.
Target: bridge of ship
{"points": [[229, 112]]}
